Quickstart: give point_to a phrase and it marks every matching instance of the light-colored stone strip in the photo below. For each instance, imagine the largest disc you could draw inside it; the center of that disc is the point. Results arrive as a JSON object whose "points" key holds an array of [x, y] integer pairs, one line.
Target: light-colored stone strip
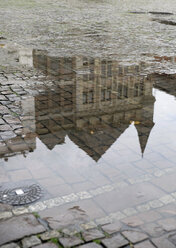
{"points": [[120, 215], [5, 215], [58, 201], [112, 217]]}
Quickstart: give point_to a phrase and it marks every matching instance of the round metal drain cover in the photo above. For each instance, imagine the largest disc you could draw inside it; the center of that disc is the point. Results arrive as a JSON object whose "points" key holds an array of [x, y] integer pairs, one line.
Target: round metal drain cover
{"points": [[21, 196]]}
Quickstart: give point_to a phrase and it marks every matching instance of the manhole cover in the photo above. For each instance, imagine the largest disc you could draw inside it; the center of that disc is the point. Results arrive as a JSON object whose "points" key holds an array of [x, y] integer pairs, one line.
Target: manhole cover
{"points": [[21, 195]]}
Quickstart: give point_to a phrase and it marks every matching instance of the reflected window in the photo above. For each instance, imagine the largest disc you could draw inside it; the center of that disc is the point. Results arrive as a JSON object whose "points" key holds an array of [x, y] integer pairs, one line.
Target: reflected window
{"points": [[103, 68], [103, 93], [110, 69], [90, 96], [108, 94], [125, 91], [136, 89], [85, 97], [141, 89], [120, 70], [126, 70], [119, 91]]}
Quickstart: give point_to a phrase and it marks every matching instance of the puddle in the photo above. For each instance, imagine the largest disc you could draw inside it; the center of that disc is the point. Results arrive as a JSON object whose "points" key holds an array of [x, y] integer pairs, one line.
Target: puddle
{"points": [[92, 129]]}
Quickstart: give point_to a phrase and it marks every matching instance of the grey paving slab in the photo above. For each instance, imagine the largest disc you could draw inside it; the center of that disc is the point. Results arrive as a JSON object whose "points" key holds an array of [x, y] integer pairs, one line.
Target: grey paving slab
{"points": [[134, 236], [92, 234], [19, 227], [115, 241], [11, 245], [163, 242], [90, 245], [46, 245], [112, 228], [70, 241], [31, 241], [50, 234], [168, 224], [153, 229], [145, 244]]}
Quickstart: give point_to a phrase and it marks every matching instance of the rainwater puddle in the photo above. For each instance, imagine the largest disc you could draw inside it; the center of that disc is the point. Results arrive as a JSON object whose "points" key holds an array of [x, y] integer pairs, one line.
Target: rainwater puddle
{"points": [[102, 139]]}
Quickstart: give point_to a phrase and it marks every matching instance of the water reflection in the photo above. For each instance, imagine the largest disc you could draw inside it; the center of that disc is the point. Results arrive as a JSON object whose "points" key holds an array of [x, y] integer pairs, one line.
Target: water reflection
{"points": [[94, 101]]}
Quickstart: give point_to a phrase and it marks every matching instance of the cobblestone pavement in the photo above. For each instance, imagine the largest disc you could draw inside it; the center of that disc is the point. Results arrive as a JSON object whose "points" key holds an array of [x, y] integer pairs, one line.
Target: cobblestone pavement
{"points": [[87, 127], [30, 230]]}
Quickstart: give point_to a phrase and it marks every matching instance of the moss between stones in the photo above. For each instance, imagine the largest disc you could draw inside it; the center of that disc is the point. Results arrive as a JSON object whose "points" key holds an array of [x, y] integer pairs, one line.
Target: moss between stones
{"points": [[97, 241]]}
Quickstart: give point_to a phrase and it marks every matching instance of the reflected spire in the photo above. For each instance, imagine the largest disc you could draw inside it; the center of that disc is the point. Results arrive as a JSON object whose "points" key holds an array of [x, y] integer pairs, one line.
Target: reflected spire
{"points": [[143, 130]]}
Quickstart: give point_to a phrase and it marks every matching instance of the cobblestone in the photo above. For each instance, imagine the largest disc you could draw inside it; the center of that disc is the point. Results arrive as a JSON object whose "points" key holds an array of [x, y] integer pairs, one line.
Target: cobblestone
{"points": [[162, 242], [135, 236], [70, 241], [11, 245], [90, 245], [18, 227], [168, 224], [112, 228], [47, 245], [20, 210], [4, 215], [30, 242], [115, 241], [92, 234], [145, 244], [17, 129], [50, 234]]}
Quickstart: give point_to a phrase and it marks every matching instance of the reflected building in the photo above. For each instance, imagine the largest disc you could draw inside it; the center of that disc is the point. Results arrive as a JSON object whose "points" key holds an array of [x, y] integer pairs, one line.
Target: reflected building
{"points": [[94, 102]]}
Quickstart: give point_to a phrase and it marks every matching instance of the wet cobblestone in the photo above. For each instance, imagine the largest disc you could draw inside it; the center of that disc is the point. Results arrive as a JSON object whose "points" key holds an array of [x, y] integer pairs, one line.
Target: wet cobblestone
{"points": [[109, 235]]}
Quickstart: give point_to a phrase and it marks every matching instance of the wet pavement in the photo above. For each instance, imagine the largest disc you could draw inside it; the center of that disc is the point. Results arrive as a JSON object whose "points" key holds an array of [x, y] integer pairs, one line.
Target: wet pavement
{"points": [[88, 118]]}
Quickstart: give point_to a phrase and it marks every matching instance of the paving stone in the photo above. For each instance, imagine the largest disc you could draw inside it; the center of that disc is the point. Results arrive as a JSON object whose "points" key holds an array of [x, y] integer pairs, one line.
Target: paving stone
{"points": [[115, 242], [168, 224], [5, 215], [89, 225], [30, 241], [163, 242], [134, 236], [5, 128], [11, 245], [168, 211], [129, 211], [153, 229], [50, 234], [133, 221], [112, 228], [18, 227], [92, 234], [90, 245], [47, 245], [167, 199], [149, 216], [20, 210], [70, 241], [145, 244], [2, 122]]}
